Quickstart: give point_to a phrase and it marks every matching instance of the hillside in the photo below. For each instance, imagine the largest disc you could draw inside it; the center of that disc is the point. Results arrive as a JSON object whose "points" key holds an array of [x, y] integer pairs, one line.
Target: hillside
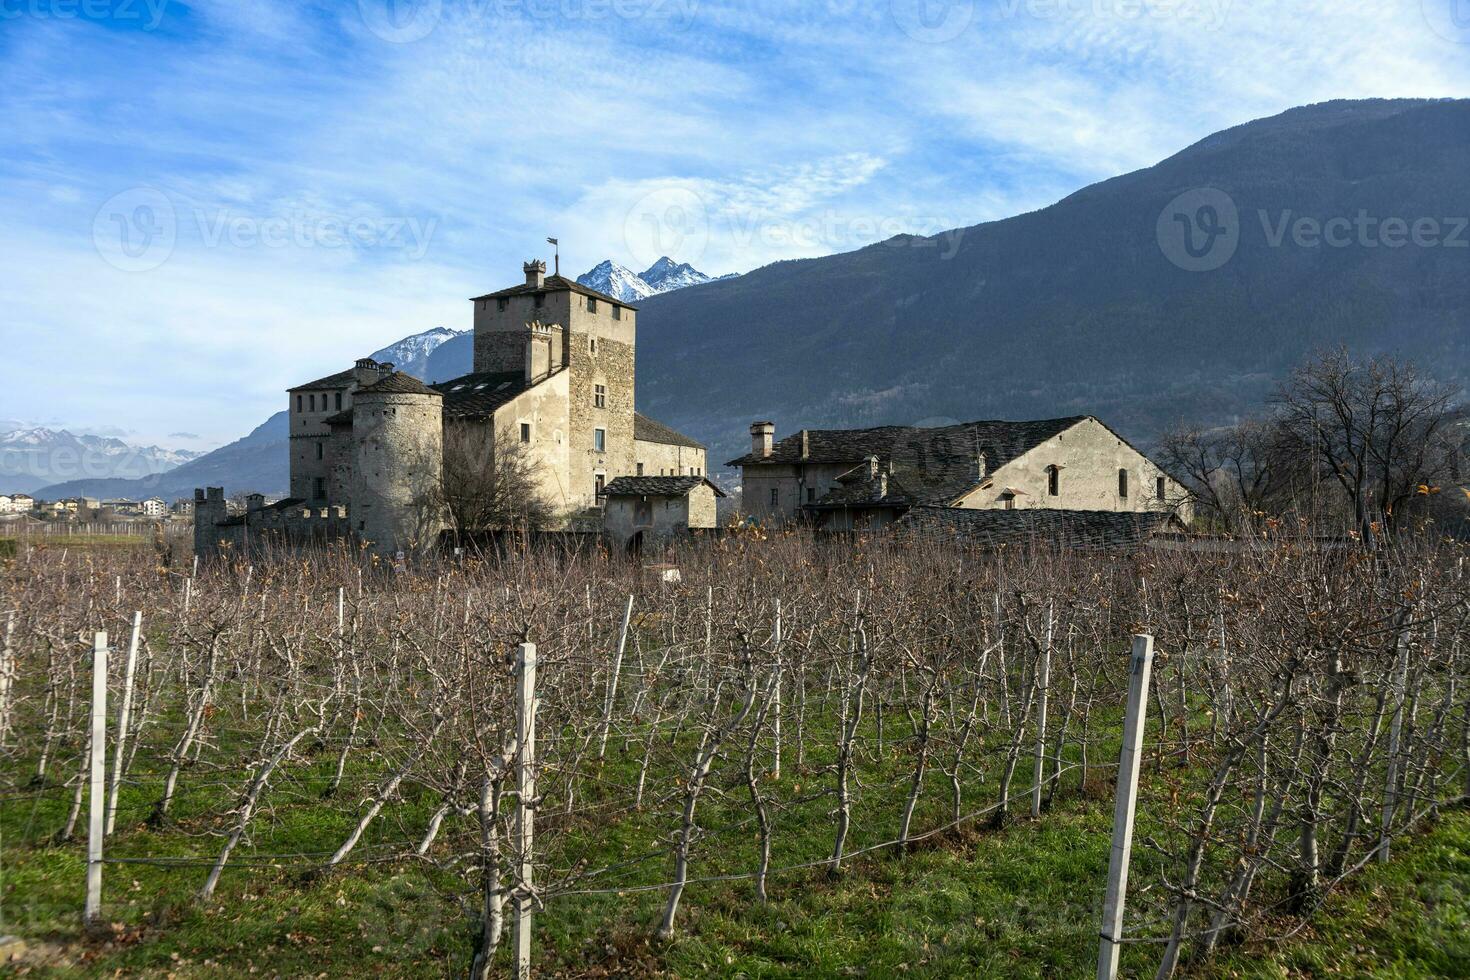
{"points": [[1077, 309]]}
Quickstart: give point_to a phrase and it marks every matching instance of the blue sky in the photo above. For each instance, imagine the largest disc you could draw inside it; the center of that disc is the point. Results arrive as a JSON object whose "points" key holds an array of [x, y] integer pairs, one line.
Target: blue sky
{"points": [[205, 202]]}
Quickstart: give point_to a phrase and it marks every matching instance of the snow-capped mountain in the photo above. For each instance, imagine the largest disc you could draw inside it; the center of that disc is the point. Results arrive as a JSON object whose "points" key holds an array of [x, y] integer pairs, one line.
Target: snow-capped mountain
{"points": [[617, 281], [666, 275], [411, 354], [663, 276], [33, 457]]}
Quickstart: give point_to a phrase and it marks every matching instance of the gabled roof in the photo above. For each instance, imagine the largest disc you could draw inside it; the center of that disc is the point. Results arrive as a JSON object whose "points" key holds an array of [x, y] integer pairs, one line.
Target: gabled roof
{"points": [[397, 383], [1074, 529], [646, 429], [554, 284], [342, 379], [657, 486], [477, 396], [937, 465]]}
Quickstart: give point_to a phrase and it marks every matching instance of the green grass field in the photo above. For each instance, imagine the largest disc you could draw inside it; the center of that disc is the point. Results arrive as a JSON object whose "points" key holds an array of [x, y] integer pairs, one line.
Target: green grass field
{"points": [[1019, 902]]}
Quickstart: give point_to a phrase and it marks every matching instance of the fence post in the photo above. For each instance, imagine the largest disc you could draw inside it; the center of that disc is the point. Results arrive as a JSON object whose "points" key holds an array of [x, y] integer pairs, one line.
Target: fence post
{"points": [[1140, 667], [776, 700], [1043, 681], [1395, 733], [525, 803], [123, 713], [612, 682], [96, 802]]}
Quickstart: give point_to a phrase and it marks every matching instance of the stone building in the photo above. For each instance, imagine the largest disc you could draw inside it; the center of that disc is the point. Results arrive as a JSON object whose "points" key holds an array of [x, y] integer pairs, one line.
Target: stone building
{"points": [[646, 510], [845, 479], [553, 383]]}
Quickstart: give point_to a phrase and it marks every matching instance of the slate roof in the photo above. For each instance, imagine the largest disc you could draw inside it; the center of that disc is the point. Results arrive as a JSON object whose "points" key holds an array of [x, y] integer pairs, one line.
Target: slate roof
{"points": [[648, 430], [342, 379], [933, 466], [860, 487], [397, 383], [1081, 530], [477, 396], [554, 284], [657, 486]]}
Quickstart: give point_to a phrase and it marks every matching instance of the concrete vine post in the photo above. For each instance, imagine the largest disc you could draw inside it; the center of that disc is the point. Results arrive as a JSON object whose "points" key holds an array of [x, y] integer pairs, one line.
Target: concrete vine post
{"points": [[1043, 684], [96, 802], [1140, 667], [612, 681], [525, 805], [124, 713]]}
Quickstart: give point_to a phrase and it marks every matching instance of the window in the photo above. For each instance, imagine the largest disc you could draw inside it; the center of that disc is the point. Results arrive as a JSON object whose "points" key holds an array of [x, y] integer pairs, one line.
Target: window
{"points": [[601, 483], [339, 401], [319, 487], [617, 312], [599, 396], [592, 344], [591, 304], [298, 403], [1160, 489], [540, 300], [811, 495], [599, 440], [1123, 484], [311, 400], [1008, 500], [1053, 481], [640, 469], [775, 497], [502, 303], [319, 449], [525, 432]]}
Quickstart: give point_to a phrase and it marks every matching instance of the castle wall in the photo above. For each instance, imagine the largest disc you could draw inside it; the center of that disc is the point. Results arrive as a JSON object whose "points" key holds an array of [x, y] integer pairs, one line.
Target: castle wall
{"points": [[545, 409], [601, 352], [399, 442], [500, 335], [663, 459]]}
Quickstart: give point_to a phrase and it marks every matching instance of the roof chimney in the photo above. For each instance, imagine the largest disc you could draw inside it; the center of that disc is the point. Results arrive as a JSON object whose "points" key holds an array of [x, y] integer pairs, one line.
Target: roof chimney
{"points": [[386, 368], [535, 273], [806, 445], [365, 371], [762, 435]]}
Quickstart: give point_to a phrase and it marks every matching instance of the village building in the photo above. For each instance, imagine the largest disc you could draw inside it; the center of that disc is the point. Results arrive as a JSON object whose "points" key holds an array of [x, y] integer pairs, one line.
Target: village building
{"points": [[374, 451], [646, 510], [154, 507], [853, 479]]}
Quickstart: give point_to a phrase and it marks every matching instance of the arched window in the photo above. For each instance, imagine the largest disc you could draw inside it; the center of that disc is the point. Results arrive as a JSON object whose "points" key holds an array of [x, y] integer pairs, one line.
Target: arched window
{"points": [[1054, 481], [1123, 484]]}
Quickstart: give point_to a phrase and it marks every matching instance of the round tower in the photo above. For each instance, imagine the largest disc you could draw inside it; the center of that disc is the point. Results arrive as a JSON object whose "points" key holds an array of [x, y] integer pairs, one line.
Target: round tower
{"points": [[398, 443]]}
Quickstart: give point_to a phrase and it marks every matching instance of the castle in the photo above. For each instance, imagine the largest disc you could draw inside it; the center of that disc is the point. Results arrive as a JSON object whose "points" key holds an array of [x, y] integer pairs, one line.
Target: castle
{"points": [[553, 384]]}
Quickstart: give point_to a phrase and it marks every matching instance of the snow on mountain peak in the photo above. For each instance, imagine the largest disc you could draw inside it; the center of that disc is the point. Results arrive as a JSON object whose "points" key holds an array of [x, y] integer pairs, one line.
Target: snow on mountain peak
{"points": [[663, 276]]}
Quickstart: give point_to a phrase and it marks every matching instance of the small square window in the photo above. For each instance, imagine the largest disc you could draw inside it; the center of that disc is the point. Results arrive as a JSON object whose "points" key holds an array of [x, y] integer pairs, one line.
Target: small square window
{"points": [[640, 469], [599, 440], [525, 432]]}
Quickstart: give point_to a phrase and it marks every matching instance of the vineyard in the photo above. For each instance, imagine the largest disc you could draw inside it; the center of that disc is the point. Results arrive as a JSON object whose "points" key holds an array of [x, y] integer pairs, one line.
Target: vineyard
{"points": [[317, 761]]}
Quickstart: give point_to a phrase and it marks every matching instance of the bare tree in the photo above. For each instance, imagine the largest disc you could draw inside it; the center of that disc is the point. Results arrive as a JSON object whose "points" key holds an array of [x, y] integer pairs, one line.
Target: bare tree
{"points": [[1234, 472], [488, 484], [1376, 427]]}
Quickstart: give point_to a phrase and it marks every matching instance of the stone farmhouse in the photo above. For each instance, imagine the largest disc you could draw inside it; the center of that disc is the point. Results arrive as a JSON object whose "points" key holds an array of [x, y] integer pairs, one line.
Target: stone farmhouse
{"points": [[852, 479], [553, 382]]}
